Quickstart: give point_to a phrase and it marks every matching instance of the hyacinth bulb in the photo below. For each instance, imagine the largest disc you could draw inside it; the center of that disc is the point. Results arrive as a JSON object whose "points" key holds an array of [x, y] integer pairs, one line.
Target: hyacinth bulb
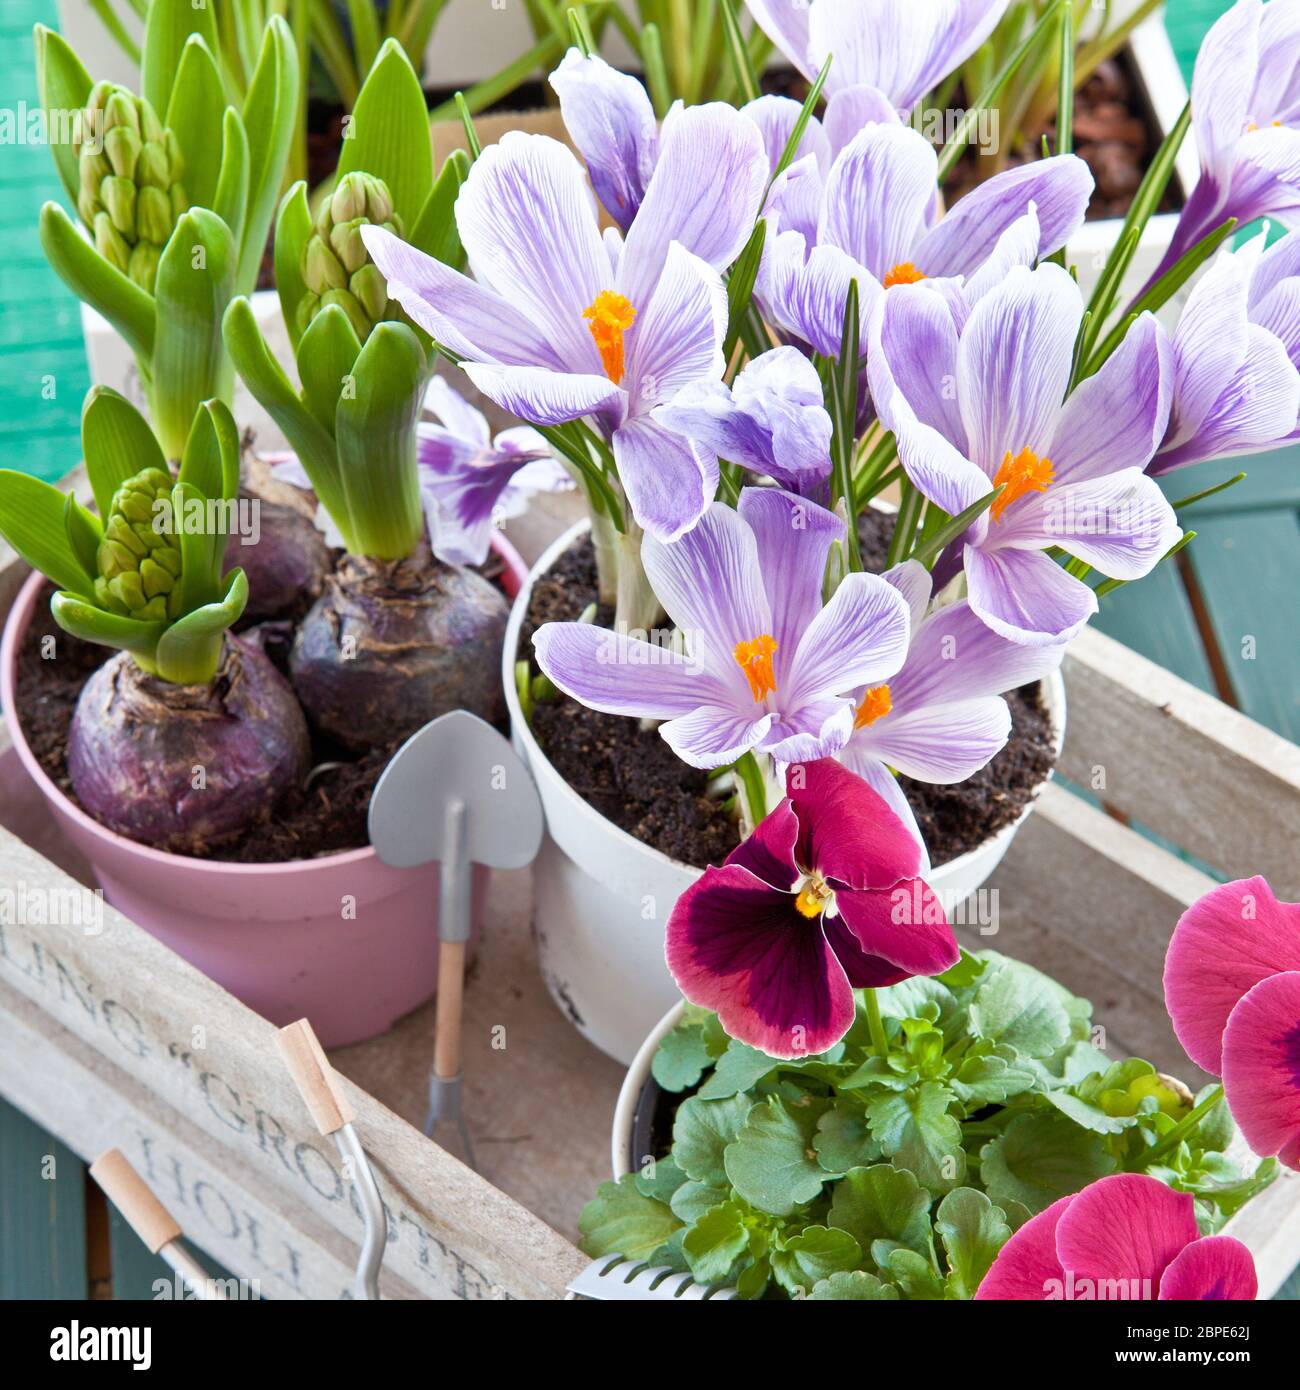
{"points": [[336, 268], [131, 192]]}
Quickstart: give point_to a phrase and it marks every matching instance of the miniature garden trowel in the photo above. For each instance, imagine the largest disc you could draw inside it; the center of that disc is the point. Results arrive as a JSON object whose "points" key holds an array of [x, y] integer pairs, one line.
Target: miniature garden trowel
{"points": [[455, 794]]}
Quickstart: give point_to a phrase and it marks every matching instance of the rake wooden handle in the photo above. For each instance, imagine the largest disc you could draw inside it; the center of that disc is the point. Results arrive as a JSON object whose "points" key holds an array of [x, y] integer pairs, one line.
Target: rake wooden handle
{"points": [[129, 1193], [451, 994], [317, 1082]]}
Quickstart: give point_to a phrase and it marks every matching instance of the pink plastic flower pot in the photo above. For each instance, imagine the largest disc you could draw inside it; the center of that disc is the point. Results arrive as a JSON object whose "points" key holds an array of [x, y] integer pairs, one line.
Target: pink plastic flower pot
{"points": [[343, 940]]}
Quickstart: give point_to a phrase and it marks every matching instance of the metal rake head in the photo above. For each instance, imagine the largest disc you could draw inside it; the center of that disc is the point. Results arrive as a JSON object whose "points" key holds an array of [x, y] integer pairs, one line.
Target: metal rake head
{"points": [[612, 1279]]}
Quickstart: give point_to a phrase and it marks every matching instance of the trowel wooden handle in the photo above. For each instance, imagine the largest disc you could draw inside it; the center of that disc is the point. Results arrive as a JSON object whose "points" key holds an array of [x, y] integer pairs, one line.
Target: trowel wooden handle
{"points": [[127, 1191], [316, 1080], [451, 995]]}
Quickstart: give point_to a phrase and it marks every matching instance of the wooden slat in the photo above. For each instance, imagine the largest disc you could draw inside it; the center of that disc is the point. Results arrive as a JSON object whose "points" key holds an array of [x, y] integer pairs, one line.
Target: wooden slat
{"points": [[42, 1212], [1199, 774]]}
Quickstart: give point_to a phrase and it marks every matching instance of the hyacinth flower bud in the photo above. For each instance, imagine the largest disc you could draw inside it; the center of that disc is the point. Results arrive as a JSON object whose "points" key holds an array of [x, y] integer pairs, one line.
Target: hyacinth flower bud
{"points": [[139, 560]]}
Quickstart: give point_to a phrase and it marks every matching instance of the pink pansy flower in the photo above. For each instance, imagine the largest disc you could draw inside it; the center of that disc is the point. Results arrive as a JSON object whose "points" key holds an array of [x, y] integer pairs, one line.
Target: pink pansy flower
{"points": [[1232, 988], [1125, 1237], [822, 899]]}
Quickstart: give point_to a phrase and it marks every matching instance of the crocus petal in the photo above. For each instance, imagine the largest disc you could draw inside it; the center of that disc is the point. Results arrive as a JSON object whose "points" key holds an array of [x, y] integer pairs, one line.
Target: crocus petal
{"points": [[1017, 246], [716, 735], [544, 397], [461, 500], [913, 581], [879, 196], [456, 414], [776, 118], [1027, 1266], [1224, 944], [739, 947], [528, 224], [768, 851], [1127, 1226], [611, 121], [1216, 1267], [940, 743], [705, 193], [795, 201], [804, 292], [457, 312], [846, 831], [1117, 417], [1014, 362], [914, 352], [939, 471], [1058, 189], [1279, 312], [785, 22], [621, 675], [1220, 97], [859, 638], [1280, 262], [1261, 1066], [883, 782], [904, 927], [815, 729], [669, 482], [1025, 597], [851, 108]]}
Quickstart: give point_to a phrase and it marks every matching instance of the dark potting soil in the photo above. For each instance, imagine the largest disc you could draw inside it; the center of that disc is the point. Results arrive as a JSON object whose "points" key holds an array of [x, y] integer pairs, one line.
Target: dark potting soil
{"points": [[634, 779]]}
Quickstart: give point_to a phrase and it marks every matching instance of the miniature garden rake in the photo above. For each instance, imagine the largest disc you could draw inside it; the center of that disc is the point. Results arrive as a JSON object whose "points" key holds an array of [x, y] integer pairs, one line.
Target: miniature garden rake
{"points": [[613, 1279]]}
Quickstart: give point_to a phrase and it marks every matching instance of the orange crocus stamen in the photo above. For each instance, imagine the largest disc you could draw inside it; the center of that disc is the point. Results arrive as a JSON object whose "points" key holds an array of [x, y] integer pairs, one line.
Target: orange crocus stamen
{"points": [[875, 705], [1026, 472], [609, 316], [755, 660], [904, 273]]}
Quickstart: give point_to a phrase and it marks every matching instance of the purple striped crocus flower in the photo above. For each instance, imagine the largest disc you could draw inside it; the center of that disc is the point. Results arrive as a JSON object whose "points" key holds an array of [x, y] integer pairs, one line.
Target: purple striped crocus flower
{"points": [[760, 663], [822, 899], [1246, 114], [981, 404], [1235, 357], [559, 322], [942, 717]]}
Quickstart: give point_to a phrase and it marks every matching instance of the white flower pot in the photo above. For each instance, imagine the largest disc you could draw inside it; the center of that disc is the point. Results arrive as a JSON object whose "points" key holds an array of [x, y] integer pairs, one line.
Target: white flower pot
{"points": [[601, 898], [622, 1159]]}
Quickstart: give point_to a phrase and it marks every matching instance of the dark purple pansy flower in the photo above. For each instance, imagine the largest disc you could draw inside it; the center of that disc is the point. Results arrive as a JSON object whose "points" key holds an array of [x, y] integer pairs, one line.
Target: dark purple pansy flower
{"points": [[820, 900]]}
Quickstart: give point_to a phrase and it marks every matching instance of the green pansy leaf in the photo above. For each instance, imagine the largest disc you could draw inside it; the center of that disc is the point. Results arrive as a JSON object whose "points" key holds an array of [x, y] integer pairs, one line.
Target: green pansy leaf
{"points": [[973, 1230], [64, 85], [916, 1277], [753, 1278], [909, 998], [715, 1242], [771, 1161], [1216, 1129], [1015, 1008], [659, 1178], [740, 1068], [1082, 1060], [681, 1058], [842, 1140], [915, 1129], [990, 1079], [882, 1203], [702, 1130], [854, 1285], [1090, 1116], [816, 1253], [964, 974], [693, 1199], [33, 519], [620, 1221], [194, 115], [1041, 1157]]}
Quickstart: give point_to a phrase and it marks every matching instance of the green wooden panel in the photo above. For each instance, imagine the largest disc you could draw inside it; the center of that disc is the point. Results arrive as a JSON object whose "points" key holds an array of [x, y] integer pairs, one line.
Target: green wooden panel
{"points": [[134, 1268], [42, 1213], [1272, 480], [1154, 617]]}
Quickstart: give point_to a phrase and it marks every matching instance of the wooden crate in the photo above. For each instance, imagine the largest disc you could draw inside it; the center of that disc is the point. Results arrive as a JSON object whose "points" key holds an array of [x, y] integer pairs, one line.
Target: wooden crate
{"points": [[111, 1039]]}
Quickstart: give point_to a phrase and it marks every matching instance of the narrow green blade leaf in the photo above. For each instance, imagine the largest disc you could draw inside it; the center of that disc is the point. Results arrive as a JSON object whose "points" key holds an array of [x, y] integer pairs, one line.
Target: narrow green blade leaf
{"points": [[801, 123], [32, 520], [292, 232], [84, 533], [168, 27], [389, 135], [200, 538], [230, 201], [90, 277], [740, 286], [210, 463], [435, 230], [64, 86], [194, 115], [365, 33], [269, 116], [746, 78], [327, 355], [116, 442], [930, 550], [189, 651]]}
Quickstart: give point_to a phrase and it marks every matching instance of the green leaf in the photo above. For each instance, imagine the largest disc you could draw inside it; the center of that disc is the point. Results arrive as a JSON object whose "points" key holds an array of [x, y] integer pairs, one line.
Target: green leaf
{"points": [[292, 232], [842, 1140], [90, 277], [816, 1253], [740, 286], [659, 1178], [916, 1276], [33, 521], [194, 115], [435, 231], [1217, 1128], [681, 1059], [116, 442], [1041, 1157], [693, 1199], [389, 134], [620, 1221], [702, 1130], [882, 1203], [230, 199], [840, 1288], [269, 115], [83, 618], [167, 30], [740, 1068], [189, 651], [210, 463], [915, 1129], [715, 1242], [771, 1161], [964, 974], [64, 85], [195, 282], [84, 533], [973, 1230], [1090, 1116], [1020, 1009], [990, 1079], [375, 434], [365, 32], [327, 355]]}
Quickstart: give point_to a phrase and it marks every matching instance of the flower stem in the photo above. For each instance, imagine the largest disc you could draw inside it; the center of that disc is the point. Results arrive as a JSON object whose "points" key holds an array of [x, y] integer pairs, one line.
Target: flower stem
{"points": [[1180, 1131], [877, 1024]]}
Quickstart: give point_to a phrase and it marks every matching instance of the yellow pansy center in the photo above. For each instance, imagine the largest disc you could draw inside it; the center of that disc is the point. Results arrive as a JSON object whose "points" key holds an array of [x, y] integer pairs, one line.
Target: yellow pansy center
{"points": [[1025, 472], [755, 660], [814, 897], [609, 316], [904, 273], [875, 705]]}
